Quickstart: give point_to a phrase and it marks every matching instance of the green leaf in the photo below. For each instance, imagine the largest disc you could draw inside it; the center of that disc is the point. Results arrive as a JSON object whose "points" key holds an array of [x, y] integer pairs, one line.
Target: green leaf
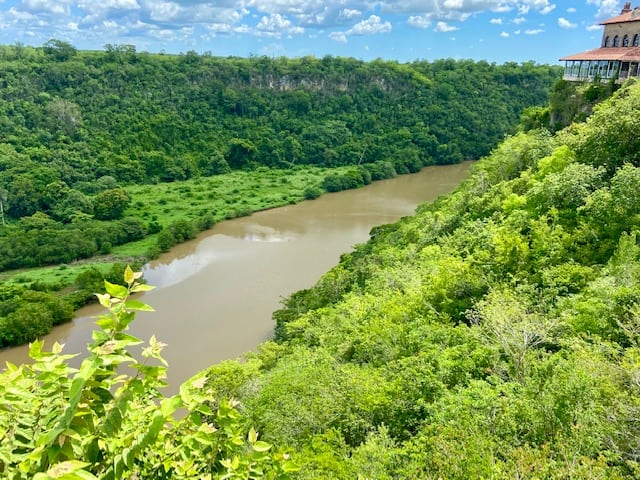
{"points": [[128, 275], [105, 322], [117, 291], [170, 405], [83, 475], [124, 319], [35, 349], [138, 305], [65, 470], [261, 446], [129, 456], [104, 299], [141, 287]]}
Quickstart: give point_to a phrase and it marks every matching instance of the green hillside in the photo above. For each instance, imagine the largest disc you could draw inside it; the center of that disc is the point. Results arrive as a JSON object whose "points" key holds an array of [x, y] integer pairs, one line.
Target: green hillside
{"points": [[492, 335], [76, 127]]}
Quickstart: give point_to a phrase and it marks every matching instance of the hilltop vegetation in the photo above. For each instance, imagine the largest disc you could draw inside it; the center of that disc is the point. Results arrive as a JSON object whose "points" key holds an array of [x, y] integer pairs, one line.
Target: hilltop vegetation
{"points": [[144, 118]]}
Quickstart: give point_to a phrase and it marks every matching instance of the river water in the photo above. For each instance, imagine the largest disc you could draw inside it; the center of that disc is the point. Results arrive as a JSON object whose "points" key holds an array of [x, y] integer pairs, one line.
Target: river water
{"points": [[215, 294]]}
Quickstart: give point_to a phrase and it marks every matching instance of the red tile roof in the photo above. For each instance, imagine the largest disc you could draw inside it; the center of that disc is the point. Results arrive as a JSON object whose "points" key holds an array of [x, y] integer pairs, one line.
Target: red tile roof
{"points": [[624, 54]]}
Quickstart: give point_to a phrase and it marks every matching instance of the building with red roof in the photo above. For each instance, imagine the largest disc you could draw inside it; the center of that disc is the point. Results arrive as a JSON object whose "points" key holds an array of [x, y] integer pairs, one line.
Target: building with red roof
{"points": [[618, 57]]}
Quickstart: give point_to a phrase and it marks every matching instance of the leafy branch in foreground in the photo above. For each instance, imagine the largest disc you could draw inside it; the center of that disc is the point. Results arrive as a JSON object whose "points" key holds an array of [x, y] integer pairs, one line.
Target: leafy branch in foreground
{"points": [[59, 422]]}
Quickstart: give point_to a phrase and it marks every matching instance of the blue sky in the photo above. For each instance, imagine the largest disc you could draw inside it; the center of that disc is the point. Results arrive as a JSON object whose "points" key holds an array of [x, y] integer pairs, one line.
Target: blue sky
{"points": [[404, 30]]}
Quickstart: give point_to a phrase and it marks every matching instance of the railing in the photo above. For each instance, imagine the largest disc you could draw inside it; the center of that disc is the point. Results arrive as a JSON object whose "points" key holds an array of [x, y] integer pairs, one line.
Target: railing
{"points": [[590, 78]]}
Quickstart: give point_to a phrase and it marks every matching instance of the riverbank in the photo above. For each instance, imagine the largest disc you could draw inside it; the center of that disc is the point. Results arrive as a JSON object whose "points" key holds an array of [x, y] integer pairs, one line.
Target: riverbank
{"points": [[204, 200]]}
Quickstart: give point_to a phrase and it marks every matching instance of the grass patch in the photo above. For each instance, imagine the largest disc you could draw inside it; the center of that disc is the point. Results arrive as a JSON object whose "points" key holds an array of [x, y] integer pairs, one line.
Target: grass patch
{"points": [[62, 275]]}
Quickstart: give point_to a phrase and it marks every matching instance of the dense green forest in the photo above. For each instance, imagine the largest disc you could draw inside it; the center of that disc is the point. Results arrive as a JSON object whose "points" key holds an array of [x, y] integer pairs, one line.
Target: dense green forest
{"points": [[495, 334], [75, 127], [123, 154]]}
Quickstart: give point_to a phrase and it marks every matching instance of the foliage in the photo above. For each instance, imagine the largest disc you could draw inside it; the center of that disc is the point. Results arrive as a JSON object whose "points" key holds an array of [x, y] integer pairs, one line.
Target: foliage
{"points": [[493, 335], [569, 102], [99, 421], [110, 204]]}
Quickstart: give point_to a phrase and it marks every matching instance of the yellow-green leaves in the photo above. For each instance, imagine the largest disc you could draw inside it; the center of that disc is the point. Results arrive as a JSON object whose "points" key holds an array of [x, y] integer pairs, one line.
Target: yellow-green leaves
{"points": [[69, 470], [107, 421], [130, 276]]}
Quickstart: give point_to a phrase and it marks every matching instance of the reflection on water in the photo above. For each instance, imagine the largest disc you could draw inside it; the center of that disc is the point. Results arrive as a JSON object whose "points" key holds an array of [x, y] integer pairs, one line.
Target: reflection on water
{"points": [[215, 294], [264, 233]]}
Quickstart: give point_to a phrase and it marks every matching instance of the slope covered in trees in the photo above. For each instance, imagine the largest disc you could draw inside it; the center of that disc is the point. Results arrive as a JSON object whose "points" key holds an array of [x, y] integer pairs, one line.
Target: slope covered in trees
{"points": [[76, 127], [493, 335], [144, 118], [77, 123]]}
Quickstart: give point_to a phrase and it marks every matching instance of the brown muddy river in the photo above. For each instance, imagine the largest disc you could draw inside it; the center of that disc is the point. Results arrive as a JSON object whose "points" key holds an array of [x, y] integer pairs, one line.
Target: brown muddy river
{"points": [[215, 294]]}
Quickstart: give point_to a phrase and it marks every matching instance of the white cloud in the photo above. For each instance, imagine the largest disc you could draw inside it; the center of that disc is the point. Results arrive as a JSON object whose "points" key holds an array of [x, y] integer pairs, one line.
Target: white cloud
{"points": [[350, 13], [502, 9], [57, 7], [165, 11], [370, 26], [534, 31], [606, 8], [547, 9], [593, 28], [571, 10], [338, 37], [215, 28], [504, 34], [453, 4], [496, 21], [519, 20], [312, 13], [419, 21], [564, 23], [460, 10], [444, 27], [21, 16], [107, 4], [275, 25], [163, 34], [275, 21]]}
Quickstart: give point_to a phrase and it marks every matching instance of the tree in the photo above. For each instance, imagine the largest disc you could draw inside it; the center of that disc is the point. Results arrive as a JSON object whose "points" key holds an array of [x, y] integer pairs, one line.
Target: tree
{"points": [[241, 153], [64, 115], [110, 204], [59, 50]]}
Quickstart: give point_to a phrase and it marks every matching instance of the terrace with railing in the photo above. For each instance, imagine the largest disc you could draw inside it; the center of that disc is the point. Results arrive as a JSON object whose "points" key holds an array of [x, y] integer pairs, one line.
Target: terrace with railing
{"points": [[618, 57]]}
